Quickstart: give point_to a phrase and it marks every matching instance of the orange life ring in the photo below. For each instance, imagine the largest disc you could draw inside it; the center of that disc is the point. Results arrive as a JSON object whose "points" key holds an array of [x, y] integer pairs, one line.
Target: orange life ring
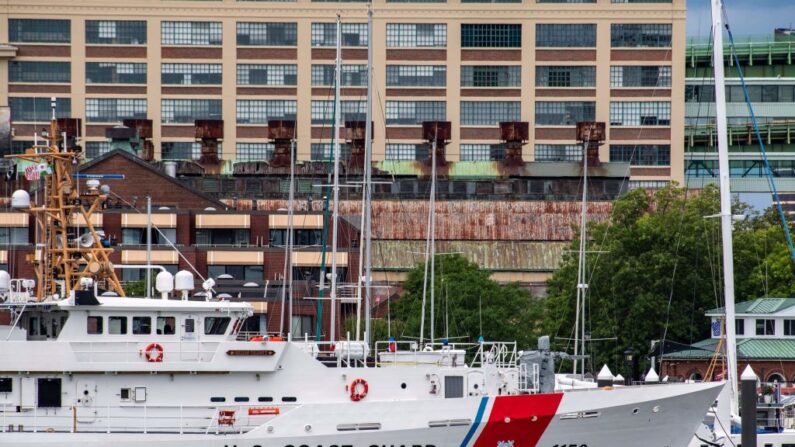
{"points": [[154, 353], [257, 338], [357, 395]]}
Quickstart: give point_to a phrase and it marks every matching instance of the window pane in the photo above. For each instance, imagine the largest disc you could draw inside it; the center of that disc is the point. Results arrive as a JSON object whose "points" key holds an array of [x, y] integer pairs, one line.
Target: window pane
{"points": [[640, 76], [38, 109], [416, 75], [117, 325], [215, 325], [353, 34], [94, 325], [565, 35], [491, 76], [489, 113], [267, 34], [115, 73], [189, 110], [634, 35], [107, 110], [118, 32], [564, 113], [482, 152], [636, 113], [142, 325], [491, 36], [558, 152], [395, 151], [39, 71], [190, 74], [254, 151], [323, 152], [39, 30], [323, 111], [260, 111], [352, 75], [415, 112], [642, 154], [190, 33], [267, 74], [565, 76], [416, 35], [166, 325]]}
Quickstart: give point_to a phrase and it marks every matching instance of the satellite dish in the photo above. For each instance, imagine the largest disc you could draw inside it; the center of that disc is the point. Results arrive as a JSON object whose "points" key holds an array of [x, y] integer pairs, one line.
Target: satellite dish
{"points": [[209, 208], [251, 284], [163, 208], [223, 296], [109, 293], [225, 276]]}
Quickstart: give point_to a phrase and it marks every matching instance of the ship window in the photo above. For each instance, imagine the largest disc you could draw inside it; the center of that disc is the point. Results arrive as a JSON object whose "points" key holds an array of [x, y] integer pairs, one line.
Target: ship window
{"points": [[94, 325], [142, 325], [6, 384], [216, 325], [217, 399], [265, 399], [49, 393], [125, 394], [289, 399], [453, 387], [166, 325], [241, 399], [117, 325], [189, 326]]}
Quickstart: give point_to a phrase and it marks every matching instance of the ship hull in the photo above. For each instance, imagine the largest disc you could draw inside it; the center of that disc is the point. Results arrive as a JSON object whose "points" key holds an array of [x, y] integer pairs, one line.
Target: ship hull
{"points": [[650, 416]]}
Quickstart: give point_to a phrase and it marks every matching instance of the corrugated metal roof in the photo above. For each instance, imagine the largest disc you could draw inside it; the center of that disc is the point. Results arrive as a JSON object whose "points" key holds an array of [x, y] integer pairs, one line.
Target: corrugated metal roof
{"points": [[747, 348], [759, 306], [468, 220], [511, 256]]}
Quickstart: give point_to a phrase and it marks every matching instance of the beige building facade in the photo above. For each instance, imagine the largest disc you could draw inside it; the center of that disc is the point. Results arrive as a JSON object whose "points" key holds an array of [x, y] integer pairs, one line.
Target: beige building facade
{"points": [[547, 62]]}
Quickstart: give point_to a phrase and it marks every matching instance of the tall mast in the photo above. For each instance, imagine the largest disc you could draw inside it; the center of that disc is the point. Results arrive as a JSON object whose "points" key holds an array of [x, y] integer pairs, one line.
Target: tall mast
{"points": [[336, 186], [433, 235], [725, 198], [287, 277], [579, 338], [148, 246]]}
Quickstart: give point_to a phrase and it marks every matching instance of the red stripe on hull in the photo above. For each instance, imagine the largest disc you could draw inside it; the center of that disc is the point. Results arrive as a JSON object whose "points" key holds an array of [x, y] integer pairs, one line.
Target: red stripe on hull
{"points": [[518, 420]]}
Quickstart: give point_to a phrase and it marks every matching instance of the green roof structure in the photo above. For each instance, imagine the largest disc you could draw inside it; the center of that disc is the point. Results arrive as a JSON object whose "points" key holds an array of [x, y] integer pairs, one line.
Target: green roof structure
{"points": [[759, 306]]}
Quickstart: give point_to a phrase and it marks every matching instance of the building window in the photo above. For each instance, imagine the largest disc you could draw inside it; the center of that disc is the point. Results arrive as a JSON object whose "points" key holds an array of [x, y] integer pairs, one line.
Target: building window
{"points": [[765, 327], [640, 76], [96, 149], [491, 76], [353, 34], [416, 1], [236, 237], [302, 325], [190, 110], [137, 236], [117, 325], [416, 35], [415, 112], [637, 113], [789, 327], [641, 154], [239, 272], [736, 93], [260, 111], [489, 113], [254, 151], [404, 151], [109, 110], [93, 325], [190, 33], [272, 34], [739, 326], [558, 152], [491, 1], [38, 109], [323, 111], [39, 71], [190, 74], [323, 151], [560, 35], [141, 326], [565, 1], [267, 74], [115, 73], [416, 75], [482, 152], [634, 35], [116, 32], [13, 236], [564, 113], [302, 238], [640, 1], [565, 76], [181, 150], [39, 31], [352, 75], [487, 35]]}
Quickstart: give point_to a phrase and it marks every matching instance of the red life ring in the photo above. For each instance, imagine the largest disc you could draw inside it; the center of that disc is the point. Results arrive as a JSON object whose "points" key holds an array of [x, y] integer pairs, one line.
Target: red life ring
{"points": [[154, 353], [357, 395]]}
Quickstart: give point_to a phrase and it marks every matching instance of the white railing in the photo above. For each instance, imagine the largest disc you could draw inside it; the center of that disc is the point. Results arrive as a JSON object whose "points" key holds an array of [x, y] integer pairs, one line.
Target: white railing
{"points": [[498, 354], [138, 419], [135, 351]]}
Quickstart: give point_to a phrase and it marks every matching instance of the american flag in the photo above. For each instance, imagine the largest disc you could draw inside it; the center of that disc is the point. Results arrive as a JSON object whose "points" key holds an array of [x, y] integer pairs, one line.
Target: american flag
{"points": [[32, 172], [716, 328]]}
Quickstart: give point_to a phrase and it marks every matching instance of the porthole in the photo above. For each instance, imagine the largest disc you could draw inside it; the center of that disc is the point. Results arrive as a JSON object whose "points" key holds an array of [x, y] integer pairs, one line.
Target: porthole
{"points": [[403, 385], [635, 411]]}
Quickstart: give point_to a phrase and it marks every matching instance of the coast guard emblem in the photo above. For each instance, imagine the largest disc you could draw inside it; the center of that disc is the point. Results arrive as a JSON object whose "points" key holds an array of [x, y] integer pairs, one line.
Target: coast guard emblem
{"points": [[505, 443]]}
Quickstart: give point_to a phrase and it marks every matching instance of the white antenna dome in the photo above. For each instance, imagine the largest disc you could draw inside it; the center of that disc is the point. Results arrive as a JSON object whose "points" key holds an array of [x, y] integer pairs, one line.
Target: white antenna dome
{"points": [[93, 184], [5, 281], [164, 282], [20, 199], [183, 280]]}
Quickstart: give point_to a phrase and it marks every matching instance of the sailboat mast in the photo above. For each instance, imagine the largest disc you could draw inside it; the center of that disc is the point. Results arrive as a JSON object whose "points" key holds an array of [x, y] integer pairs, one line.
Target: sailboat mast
{"points": [[367, 228], [725, 197], [336, 186], [432, 234], [579, 338], [289, 249]]}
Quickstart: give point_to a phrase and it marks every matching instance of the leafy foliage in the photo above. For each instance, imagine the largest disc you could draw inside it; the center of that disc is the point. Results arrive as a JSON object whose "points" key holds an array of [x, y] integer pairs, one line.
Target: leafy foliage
{"points": [[656, 267]]}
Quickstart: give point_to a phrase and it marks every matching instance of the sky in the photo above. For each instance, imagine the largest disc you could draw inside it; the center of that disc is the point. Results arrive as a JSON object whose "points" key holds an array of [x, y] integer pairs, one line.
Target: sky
{"points": [[746, 17]]}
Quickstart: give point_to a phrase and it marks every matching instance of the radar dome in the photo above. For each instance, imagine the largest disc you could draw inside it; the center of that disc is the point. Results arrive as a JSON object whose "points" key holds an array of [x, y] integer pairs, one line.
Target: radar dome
{"points": [[164, 282], [20, 199], [183, 280]]}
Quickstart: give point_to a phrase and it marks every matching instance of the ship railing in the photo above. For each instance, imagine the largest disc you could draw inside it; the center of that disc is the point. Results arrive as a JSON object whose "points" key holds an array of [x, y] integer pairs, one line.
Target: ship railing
{"points": [[134, 351], [529, 381], [499, 354], [176, 419]]}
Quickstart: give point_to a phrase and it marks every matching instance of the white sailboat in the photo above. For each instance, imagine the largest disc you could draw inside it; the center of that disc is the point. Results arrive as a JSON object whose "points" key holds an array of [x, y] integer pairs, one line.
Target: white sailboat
{"points": [[81, 368]]}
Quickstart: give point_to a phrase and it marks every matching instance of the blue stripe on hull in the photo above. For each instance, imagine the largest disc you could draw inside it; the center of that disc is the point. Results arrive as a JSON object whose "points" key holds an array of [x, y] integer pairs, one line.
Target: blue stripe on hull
{"points": [[478, 418]]}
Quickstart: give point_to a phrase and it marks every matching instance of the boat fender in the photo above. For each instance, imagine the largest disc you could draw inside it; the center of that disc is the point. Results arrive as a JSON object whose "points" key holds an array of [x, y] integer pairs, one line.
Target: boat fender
{"points": [[356, 394], [154, 353]]}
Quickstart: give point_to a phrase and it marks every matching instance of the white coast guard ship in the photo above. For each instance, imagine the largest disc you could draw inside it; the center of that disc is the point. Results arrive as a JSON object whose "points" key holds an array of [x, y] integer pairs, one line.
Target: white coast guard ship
{"points": [[79, 368]]}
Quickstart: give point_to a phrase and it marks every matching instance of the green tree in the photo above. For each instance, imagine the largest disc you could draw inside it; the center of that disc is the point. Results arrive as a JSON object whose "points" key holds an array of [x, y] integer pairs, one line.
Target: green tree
{"points": [[468, 304]]}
